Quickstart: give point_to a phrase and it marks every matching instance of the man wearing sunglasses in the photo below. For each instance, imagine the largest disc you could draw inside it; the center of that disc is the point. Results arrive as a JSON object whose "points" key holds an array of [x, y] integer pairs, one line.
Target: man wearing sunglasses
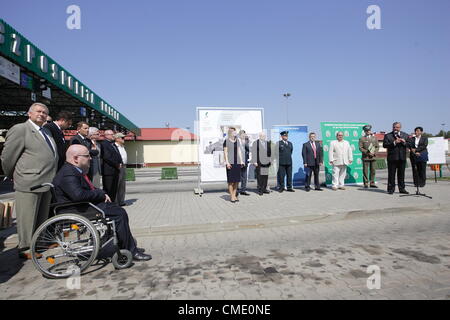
{"points": [[73, 185]]}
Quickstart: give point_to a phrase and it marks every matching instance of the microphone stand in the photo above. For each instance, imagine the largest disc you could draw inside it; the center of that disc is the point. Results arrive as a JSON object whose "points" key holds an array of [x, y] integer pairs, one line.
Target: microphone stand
{"points": [[416, 178]]}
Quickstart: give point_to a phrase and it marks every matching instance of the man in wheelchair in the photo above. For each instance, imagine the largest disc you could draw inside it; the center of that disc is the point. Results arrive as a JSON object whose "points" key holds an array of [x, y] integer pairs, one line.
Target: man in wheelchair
{"points": [[73, 185]]}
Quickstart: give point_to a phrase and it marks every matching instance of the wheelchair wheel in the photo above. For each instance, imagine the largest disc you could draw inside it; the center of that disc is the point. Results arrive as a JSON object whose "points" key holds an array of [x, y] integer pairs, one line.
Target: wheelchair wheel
{"points": [[65, 245], [124, 261]]}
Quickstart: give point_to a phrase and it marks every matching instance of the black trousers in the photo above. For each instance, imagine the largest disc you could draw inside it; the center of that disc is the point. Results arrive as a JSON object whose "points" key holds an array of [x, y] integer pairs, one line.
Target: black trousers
{"points": [[312, 170], [111, 185], [399, 168], [261, 179], [419, 170], [120, 217], [283, 171], [244, 178]]}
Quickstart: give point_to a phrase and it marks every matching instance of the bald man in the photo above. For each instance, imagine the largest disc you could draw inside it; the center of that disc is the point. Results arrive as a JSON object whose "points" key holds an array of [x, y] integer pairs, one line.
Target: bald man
{"points": [[111, 166], [73, 185], [30, 158]]}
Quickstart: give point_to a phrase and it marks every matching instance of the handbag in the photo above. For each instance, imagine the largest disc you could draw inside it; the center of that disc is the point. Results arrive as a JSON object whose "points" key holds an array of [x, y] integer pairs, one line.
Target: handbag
{"points": [[423, 157]]}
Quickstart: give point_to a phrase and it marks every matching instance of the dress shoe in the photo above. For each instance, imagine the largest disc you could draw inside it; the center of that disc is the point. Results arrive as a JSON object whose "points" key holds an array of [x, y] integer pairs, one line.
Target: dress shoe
{"points": [[342, 188], [307, 189], [404, 191], [245, 193], [318, 189], [281, 190], [140, 250], [290, 190], [366, 186], [267, 192], [260, 193], [391, 192], [141, 257], [373, 186]]}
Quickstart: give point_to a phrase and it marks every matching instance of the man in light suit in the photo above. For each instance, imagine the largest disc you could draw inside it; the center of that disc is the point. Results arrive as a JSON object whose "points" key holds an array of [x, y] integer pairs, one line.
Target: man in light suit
{"points": [[312, 154], [30, 158], [340, 156]]}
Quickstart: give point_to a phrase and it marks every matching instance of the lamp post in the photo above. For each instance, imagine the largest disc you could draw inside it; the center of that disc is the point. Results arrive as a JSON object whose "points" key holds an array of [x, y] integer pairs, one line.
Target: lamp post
{"points": [[287, 95]]}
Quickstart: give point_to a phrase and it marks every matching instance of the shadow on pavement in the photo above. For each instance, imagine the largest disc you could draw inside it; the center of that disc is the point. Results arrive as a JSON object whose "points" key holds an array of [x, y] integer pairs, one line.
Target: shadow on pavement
{"points": [[10, 264], [130, 202]]}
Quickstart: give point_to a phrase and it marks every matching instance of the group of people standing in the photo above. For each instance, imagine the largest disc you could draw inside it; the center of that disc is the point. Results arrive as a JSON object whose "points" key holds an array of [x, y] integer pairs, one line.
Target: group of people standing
{"points": [[36, 152], [108, 157], [239, 154]]}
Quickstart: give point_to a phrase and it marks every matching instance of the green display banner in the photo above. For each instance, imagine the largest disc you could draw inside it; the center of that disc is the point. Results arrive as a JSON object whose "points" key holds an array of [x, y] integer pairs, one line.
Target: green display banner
{"points": [[352, 133]]}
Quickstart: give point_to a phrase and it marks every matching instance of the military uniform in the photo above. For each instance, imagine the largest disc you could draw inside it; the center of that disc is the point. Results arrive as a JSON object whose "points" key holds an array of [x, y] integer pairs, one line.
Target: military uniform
{"points": [[369, 145], [285, 149]]}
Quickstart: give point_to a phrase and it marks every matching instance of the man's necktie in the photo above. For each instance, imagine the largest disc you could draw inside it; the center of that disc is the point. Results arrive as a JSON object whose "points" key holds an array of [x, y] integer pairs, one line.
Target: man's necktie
{"points": [[48, 140], [89, 182], [313, 145]]}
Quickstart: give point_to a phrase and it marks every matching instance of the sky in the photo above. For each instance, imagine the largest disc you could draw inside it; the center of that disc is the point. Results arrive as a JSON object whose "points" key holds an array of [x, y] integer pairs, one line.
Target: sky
{"points": [[157, 61]]}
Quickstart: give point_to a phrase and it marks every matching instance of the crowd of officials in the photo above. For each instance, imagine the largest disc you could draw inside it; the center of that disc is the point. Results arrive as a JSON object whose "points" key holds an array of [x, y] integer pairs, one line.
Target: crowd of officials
{"points": [[90, 169], [262, 153], [84, 169]]}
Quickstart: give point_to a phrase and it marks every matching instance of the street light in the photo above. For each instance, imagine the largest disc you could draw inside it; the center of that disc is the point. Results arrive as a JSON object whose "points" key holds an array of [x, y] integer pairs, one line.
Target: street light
{"points": [[287, 95]]}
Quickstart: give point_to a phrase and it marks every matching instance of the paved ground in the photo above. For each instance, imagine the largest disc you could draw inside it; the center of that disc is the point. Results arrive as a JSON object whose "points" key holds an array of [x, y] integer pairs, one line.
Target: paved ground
{"points": [[281, 246], [315, 261]]}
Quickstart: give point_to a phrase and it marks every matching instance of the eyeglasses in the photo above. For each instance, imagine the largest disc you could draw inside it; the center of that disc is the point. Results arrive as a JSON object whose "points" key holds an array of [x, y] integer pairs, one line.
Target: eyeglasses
{"points": [[84, 155]]}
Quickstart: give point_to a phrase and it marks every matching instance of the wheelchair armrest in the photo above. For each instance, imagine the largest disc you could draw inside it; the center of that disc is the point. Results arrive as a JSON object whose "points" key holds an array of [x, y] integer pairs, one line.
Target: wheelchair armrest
{"points": [[57, 206]]}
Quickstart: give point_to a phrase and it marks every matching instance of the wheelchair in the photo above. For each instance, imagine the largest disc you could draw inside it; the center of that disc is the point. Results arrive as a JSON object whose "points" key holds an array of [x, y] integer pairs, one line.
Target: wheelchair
{"points": [[69, 243]]}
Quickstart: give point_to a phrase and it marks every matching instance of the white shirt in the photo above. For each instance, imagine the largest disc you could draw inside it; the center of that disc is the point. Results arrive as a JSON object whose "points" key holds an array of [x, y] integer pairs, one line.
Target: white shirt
{"points": [[340, 153], [123, 153], [43, 137], [417, 141]]}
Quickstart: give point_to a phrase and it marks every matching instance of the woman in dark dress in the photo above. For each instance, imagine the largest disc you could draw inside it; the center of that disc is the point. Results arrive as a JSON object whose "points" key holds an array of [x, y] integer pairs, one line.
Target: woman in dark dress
{"points": [[233, 161], [419, 156]]}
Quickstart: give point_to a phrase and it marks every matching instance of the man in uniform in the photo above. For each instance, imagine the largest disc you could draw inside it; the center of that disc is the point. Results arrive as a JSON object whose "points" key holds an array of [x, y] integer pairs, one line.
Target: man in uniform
{"points": [[285, 149], [368, 145]]}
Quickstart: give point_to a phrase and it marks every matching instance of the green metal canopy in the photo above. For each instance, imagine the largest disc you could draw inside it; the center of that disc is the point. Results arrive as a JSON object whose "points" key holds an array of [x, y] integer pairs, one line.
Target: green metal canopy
{"points": [[25, 70]]}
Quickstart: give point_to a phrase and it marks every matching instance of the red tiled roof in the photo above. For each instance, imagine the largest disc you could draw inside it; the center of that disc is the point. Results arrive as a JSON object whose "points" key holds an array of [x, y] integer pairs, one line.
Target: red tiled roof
{"points": [[380, 136]]}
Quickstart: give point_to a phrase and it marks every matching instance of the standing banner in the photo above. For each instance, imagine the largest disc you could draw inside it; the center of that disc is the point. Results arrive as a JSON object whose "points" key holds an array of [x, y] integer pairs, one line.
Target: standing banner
{"points": [[436, 150], [352, 132], [213, 124], [298, 135]]}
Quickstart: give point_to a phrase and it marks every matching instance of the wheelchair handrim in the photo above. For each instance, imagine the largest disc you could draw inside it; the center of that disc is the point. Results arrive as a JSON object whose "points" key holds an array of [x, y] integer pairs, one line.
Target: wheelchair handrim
{"points": [[69, 244]]}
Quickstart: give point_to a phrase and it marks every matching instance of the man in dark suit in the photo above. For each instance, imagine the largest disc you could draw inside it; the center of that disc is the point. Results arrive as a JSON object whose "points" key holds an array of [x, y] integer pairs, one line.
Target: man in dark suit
{"points": [[285, 149], [261, 158], [112, 163], [73, 185], [419, 156], [63, 122], [82, 136], [396, 144], [245, 151], [312, 154]]}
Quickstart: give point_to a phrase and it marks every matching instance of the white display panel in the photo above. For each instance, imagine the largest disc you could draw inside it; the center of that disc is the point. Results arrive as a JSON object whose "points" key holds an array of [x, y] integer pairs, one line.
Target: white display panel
{"points": [[213, 124]]}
